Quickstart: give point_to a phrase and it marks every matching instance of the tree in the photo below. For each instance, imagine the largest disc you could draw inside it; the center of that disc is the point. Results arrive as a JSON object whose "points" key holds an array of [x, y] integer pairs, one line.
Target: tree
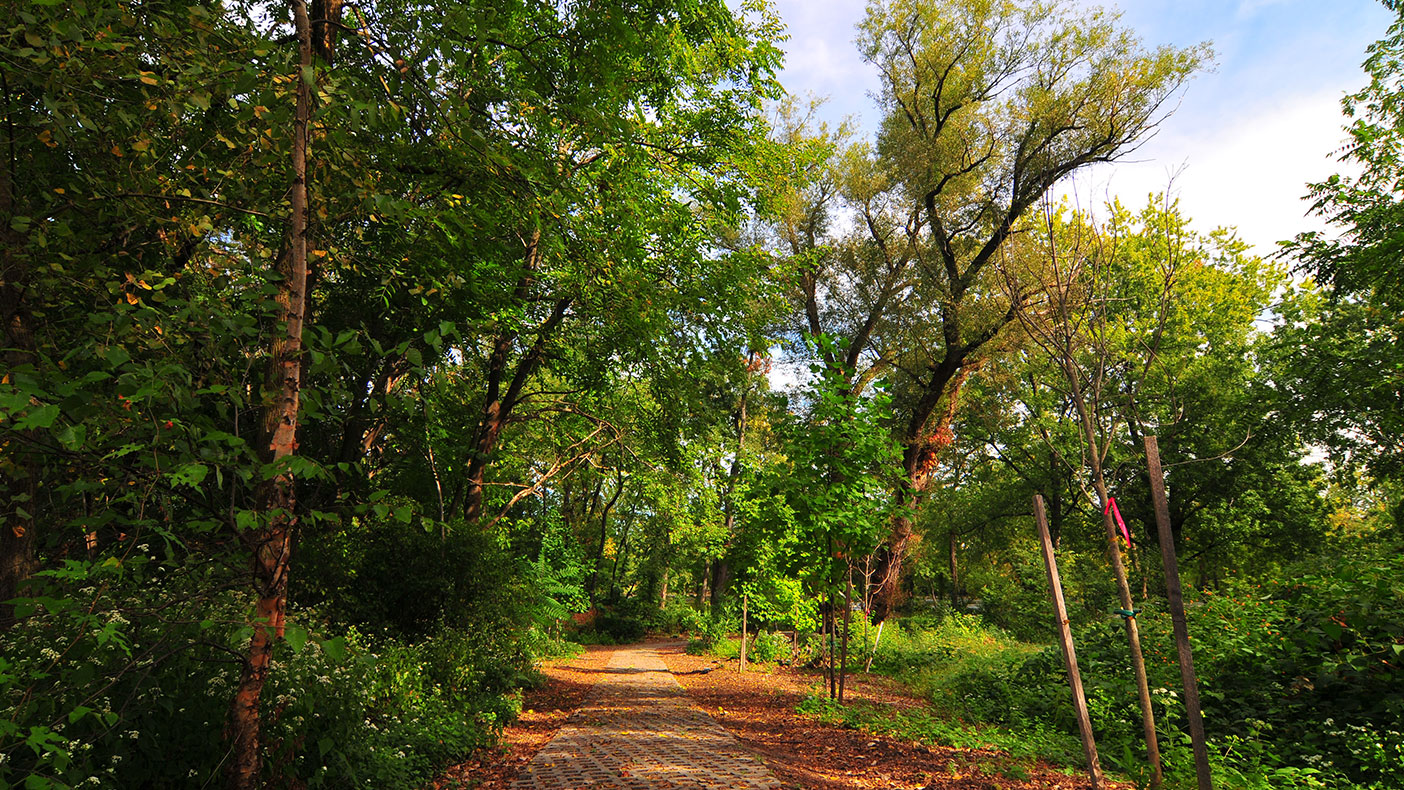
{"points": [[841, 459], [271, 541], [986, 105], [191, 197], [1342, 365], [1151, 328]]}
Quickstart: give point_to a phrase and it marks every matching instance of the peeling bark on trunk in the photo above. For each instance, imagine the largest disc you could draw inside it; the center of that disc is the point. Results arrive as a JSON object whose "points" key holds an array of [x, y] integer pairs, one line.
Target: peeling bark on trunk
{"points": [[270, 542], [924, 442]]}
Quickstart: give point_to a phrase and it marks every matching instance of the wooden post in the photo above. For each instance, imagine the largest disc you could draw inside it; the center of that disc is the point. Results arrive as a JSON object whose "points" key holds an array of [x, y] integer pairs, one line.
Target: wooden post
{"points": [[743, 632], [1055, 587], [1177, 613], [877, 641]]}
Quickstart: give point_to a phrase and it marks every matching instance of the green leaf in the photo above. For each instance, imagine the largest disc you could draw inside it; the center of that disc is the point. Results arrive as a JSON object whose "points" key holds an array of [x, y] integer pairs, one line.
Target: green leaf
{"points": [[296, 636], [40, 418], [116, 356], [191, 474], [335, 648]]}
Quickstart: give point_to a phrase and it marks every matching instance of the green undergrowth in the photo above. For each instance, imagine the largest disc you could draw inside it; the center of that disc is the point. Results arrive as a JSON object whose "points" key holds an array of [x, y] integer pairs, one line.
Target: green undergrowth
{"points": [[1302, 683], [931, 728], [120, 675]]}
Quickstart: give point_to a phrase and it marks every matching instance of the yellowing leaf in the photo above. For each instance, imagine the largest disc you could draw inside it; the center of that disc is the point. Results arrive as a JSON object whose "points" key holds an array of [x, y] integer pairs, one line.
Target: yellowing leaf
{"points": [[148, 78], [132, 299], [116, 151], [141, 145]]}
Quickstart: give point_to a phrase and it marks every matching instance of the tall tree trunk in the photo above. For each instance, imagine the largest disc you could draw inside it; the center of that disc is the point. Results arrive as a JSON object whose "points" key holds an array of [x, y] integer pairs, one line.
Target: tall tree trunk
{"points": [[923, 443], [829, 632], [721, 568], [847, 627], [495, 405], [701, 596], [955, 570], [621, 556], [270, 542], [593, 586], [498, 405]]}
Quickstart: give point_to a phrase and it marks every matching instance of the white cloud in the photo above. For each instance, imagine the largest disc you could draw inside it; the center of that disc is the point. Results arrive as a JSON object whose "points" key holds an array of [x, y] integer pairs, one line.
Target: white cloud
{"points": [[1249, 171]]}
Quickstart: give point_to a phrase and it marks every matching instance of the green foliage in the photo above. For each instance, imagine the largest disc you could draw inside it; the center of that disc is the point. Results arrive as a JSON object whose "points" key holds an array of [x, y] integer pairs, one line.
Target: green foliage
{"points": [[767, 646], [1340, 365], [1299, 678], [536, 312], [348, 711], [621, 628], [925, 727], [841, 481], [682, 619]]}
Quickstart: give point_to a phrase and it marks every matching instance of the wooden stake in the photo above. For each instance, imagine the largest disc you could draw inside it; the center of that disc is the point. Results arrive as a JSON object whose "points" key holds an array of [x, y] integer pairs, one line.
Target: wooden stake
{"points": [[1177, 614], [1055, 587], [743, 632]]}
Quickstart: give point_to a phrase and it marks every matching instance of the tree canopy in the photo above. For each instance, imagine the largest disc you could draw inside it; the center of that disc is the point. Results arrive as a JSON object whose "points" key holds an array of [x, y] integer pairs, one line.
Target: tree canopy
{"points": [[357, 357]]}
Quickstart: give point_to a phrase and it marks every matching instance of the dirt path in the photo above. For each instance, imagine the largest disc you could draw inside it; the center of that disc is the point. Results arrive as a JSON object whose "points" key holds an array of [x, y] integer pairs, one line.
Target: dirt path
{"points": [[618, 718], [640, 731]]}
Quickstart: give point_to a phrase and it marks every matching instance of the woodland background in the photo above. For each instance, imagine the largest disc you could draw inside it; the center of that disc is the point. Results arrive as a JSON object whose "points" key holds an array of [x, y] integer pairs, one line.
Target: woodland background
{"points": [[349, 350]]}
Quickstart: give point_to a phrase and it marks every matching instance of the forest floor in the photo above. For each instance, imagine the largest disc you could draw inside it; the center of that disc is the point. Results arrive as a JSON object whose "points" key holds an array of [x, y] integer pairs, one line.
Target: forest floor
{"points": [[759, 709]]}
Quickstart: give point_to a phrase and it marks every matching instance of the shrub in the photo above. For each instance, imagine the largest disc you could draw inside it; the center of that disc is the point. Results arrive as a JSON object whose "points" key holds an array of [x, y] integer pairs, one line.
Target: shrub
{"points": [[680, 618], [766, 647], [354, 711], [623, 629], [1300, 677]]}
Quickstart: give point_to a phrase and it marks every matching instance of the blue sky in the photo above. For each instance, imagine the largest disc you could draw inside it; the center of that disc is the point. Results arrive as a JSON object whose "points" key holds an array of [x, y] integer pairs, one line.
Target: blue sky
{"points": [[1246, 138]]}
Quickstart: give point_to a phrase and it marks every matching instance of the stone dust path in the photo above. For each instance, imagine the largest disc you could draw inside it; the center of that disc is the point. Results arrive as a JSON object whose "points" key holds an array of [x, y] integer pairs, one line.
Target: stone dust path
{"points": [[639, 731]]}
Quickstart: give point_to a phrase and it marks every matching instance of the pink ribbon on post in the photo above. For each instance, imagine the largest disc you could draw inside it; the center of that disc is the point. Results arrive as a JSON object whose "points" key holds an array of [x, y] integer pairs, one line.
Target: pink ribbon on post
{"points": [[1116, 511]]}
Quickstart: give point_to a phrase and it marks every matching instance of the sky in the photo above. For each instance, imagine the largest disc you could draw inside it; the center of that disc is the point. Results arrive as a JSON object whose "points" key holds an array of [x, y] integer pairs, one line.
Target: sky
{"points": [[1246, 137]]}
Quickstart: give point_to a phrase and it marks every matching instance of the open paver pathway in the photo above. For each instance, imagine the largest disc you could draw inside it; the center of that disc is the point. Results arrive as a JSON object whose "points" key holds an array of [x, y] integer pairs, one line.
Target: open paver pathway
{"points": [[639, 732]]}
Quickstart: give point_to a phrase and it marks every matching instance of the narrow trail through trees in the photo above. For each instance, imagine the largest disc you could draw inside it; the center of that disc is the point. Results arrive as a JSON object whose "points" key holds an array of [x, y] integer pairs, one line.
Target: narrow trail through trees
{"points": [[640, 731]]}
